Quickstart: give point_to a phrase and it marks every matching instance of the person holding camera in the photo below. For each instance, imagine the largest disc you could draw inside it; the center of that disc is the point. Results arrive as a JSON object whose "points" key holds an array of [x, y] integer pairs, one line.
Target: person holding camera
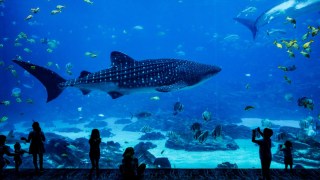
{"points": [[264, 150]]}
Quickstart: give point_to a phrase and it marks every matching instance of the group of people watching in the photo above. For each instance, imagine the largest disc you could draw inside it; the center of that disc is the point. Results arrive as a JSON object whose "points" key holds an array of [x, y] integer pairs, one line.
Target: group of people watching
{"points": [[130, 166], [265, 151]]}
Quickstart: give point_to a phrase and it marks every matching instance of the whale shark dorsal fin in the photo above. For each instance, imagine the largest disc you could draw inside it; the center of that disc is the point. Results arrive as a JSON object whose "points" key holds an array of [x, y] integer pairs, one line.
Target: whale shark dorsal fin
{"points": [[84, 74], [118, 58]]}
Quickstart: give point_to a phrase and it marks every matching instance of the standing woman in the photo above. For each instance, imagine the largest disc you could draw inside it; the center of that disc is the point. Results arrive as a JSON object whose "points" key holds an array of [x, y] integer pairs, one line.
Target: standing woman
{"points": [[36, 137], [94, 153]]}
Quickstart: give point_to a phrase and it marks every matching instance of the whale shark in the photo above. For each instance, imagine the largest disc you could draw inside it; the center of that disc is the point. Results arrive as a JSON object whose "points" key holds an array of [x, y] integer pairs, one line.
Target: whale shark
{"points": [[127, 76], [292, 8]]}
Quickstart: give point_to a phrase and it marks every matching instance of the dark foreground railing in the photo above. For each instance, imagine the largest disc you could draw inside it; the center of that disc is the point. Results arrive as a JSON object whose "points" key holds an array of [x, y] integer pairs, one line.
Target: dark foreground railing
{"points": [[162, 174]]}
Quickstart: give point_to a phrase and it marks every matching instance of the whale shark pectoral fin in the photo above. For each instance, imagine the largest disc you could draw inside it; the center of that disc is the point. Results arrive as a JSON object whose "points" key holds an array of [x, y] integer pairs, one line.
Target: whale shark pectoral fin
{"points": [[84, 74], [172, 87], [115, 94], [118, 58], [85, 91], [249, 24]]}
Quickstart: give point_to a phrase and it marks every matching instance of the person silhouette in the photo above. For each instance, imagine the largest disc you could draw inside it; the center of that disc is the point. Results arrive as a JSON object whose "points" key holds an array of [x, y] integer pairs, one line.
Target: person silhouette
{"points": [[36, 139], [94, 153], [130, 168], [17, 157], [4, 149], [288, 160], [264, 150]]}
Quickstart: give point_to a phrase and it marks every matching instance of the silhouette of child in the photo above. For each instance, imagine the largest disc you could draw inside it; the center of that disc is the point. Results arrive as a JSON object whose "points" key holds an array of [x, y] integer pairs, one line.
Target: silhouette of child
{"points": [[36, 137], [4, 150], [130, 168], [264, 150], [17, 158], [288, 160], [94, 153]]}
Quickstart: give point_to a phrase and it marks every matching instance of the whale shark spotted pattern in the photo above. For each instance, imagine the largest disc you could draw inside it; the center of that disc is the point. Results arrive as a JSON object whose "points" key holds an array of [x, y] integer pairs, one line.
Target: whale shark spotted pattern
{"points": [[127, 76]]}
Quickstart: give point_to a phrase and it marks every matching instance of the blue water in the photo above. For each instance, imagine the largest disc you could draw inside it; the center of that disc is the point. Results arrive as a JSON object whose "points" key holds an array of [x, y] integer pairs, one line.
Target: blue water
{"points": [[144, 29]]}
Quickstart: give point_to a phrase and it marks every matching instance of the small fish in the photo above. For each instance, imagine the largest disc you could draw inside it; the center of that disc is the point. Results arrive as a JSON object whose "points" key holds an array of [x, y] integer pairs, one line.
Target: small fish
{"points": [[1, 63], [277, 44], [14, 73], [305, 36], [306, 102], [49, 63], [33, 67], [307, 44], [305, 54], [6, 103], [18, 100], [247, 86], [292, 21], [162, 152], [177, 107], [55, 11], [4, 118], [287, 79], [88, 1], [60, 7], [92, 55], [206, 115], [247, 108], [314, 30], [35, 10], [288, 68], [290, 54], [155, 98], [57, 66], [29, 101], [28, 17], [64, 155], [101, 115], [49, 50], [27, 50]]}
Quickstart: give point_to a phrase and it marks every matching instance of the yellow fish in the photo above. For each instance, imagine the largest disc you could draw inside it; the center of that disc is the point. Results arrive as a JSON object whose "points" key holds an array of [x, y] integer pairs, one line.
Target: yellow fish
{"points": [[305, 36], [307, 44], [305, 54], [277, 44], [314, 31]]}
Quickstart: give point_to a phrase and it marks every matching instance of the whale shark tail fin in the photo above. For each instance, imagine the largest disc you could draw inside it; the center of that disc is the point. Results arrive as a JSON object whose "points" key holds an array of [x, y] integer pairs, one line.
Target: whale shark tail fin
{"points": [[249, 24], [48, 78]]}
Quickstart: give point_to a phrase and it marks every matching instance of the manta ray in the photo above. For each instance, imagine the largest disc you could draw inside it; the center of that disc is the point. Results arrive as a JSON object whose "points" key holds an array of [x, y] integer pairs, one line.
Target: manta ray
{"points": [[127, 76], [292, 8]]}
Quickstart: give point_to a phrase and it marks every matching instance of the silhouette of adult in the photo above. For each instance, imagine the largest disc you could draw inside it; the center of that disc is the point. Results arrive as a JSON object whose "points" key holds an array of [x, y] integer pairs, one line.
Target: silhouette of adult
{"points": [[130, 168], [94, 153], [264, 150], [36, 139]]}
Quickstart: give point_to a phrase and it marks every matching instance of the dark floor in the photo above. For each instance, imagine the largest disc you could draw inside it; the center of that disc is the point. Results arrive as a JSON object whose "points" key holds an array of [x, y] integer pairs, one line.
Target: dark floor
{"points": [[163, 174]]}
